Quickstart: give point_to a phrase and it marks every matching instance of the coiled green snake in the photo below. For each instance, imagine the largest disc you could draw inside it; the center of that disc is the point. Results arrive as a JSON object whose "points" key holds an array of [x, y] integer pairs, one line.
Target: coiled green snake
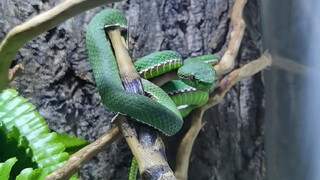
{"points": [[164, 107], [158, 110]]}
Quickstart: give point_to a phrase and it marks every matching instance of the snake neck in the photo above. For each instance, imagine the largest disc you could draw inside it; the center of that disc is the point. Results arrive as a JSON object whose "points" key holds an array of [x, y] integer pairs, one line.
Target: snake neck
{"points": [[160, 68], [158, 63]]}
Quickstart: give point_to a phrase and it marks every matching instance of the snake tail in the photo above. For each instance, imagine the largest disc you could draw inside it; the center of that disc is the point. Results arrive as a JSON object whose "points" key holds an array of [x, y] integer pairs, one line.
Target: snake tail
{"points": [[133, 170]]}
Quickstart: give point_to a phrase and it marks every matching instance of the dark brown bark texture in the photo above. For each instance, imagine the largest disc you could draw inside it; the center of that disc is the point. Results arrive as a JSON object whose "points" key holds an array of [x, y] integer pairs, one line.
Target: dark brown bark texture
{"points": [[58, 80]]}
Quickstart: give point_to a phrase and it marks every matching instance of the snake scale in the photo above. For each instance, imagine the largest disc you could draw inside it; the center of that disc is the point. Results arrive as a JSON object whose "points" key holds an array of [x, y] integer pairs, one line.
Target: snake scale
{"points": [[164, 107]]}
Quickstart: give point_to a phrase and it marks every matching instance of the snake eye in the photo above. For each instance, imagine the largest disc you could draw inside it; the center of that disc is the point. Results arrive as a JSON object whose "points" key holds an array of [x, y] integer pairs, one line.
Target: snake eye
{"points": [[191, 77]]}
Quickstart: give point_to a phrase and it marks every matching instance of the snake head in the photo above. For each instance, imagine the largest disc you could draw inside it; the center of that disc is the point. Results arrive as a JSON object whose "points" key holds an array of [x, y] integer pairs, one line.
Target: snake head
{"points": [[198, 75]]}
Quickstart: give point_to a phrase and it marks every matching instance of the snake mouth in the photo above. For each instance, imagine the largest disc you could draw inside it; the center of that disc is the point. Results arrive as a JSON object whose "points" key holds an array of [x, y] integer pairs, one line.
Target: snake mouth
{"points": [[190, 77]]}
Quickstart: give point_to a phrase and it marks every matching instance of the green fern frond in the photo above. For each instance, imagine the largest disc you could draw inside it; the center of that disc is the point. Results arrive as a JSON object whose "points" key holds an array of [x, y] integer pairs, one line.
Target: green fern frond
{"points": [[5, 168], [72, 143], [23, 128]]}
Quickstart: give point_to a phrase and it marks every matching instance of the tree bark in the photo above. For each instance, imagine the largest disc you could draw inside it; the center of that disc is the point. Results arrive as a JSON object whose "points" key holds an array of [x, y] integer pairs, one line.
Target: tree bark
{"points": [[57, 78]]}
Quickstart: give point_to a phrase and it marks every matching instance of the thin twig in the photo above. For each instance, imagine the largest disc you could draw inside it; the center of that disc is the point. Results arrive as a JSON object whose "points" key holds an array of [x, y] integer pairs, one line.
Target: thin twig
{"points": [[14, 71], [186, 144], [235, 76], [185, 147], [21, 34], [75, 161], [238, 25], [161, 80]]}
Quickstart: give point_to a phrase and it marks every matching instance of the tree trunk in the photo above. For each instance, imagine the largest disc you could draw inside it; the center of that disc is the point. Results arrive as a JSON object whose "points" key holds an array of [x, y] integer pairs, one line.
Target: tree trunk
{"points": [[58, 80]]}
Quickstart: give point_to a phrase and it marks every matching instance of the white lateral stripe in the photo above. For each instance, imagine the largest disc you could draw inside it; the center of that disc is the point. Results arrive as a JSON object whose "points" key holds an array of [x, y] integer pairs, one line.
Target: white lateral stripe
{"points": [[182, 106], [180, 91], [160, 64]]}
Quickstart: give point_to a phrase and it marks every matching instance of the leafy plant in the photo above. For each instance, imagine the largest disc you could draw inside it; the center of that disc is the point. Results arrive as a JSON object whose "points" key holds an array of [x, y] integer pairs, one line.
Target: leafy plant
{"points": [[29, 150]]}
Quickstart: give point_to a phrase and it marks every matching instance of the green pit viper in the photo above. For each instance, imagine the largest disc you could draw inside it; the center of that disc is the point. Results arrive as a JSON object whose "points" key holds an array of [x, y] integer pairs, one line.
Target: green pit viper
{"points": [[164, 107]]}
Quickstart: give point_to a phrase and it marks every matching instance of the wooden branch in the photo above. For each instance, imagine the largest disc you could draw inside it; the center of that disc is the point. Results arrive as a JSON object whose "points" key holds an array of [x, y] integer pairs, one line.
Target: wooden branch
{"points": [[21, 34], [186, 144], [185, 147], [14, 71], [225, 65], [291, 65], [76, 160], [161, 80], [227, 62], [152, 164], [235, 76]]}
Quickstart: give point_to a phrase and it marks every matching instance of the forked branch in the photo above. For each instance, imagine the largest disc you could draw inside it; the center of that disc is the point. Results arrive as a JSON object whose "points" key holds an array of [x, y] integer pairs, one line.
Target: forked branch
{"points": [[185, 147], [225, 65]]}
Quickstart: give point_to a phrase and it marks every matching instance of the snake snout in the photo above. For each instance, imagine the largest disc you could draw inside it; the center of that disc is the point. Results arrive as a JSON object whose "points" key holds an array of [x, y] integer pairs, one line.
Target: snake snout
{"points": [[198, 75]]}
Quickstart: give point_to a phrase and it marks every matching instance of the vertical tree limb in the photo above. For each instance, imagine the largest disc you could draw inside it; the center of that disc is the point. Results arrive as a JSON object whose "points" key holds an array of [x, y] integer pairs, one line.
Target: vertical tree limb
{"points": [[186, 144], [227, 61], [152, 164]]}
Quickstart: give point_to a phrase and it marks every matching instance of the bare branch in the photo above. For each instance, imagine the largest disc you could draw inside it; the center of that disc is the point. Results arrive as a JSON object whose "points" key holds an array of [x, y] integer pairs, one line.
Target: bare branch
{"points": [[185, 147], [14, 71], [186, 144], [225, 65], [161, 80], [75, 161], [21, 34], [235, 76], [227, 62], [152, 164]]}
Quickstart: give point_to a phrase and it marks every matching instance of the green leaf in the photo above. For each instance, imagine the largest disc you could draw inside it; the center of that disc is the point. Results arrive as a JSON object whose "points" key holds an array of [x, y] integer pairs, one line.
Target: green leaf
{"points": [[5, 168], [74, 177], [31, 174], [11, 140], [25, 135], [72, 143]]}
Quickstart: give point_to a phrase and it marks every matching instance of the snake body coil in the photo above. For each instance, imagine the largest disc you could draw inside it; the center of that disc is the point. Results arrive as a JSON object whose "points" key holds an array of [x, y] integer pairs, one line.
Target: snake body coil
{"points": [[164, 117], [157, 110]]}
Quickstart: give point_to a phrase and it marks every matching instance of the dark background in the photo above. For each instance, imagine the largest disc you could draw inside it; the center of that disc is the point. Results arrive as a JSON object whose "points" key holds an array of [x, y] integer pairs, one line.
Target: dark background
{"points": [[58, 80]]}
